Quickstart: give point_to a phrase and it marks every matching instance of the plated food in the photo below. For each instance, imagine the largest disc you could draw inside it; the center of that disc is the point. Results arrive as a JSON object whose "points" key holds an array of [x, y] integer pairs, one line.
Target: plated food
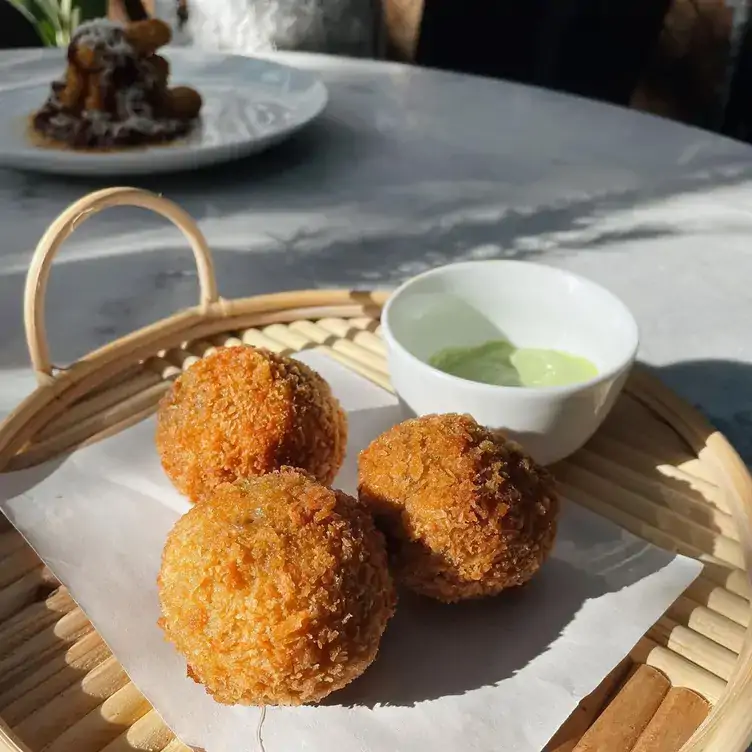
{"points": [[573, 345], [466, 512], [276, 590], [247, 105], [114, 92], [241, 412]]}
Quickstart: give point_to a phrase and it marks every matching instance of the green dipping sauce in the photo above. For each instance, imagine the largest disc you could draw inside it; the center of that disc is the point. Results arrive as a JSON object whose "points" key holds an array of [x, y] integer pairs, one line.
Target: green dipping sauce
{"points": [[501, 363]]}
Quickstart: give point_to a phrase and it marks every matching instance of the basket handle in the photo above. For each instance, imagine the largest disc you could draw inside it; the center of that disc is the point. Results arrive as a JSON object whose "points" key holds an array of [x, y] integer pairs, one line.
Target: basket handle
{"points": [[65, 224]]}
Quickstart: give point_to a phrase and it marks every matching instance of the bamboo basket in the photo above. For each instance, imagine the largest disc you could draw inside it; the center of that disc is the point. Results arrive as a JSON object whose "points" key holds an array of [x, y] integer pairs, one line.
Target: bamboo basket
{"points": [[656, 468]]}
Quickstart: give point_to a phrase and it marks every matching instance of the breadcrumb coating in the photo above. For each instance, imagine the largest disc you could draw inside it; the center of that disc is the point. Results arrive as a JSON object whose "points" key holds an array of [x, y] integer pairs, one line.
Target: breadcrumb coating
{"points": [[276, 590], [243, 411], [466, 512]]}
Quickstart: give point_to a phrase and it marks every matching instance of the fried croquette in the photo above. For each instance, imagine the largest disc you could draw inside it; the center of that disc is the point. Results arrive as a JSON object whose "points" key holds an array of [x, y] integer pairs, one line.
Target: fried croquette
{"points": [[466, 512], [276, 590], [243, 411]]}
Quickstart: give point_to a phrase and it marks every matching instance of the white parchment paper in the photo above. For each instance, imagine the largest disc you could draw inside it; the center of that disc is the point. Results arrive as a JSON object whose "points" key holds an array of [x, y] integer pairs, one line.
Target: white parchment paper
{"points": [[499, 674]]}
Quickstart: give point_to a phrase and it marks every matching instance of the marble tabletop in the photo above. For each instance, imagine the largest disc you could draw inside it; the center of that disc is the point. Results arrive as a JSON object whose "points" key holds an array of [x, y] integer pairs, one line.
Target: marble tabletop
{"points": [[408, 169]]}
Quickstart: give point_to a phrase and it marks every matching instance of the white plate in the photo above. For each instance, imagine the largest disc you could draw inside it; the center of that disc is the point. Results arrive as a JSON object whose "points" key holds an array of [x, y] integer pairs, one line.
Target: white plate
{"points": [[249, 105]]}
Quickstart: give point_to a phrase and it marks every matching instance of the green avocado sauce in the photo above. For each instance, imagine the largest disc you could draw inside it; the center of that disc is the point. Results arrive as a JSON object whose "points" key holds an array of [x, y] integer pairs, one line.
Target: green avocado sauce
{"points": [[501, 363]]}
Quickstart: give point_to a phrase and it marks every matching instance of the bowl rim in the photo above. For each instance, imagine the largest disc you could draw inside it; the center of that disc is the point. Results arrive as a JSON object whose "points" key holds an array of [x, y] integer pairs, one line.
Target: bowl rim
{"points": [[607, 375]]}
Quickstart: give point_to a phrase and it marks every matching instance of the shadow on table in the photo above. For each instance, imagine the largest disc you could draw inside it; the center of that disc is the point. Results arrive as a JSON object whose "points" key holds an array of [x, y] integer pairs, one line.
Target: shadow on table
{"points": [[357, 233], [724, 388], [331, 156], [347, 166], [467, 637], [591, 559]]}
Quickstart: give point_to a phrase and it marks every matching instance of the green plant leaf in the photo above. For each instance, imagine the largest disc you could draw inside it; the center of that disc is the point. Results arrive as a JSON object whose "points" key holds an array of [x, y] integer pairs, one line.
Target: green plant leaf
{"points": [[49, 10], [56, 20], [47, 32], [27, 8], [42, 14]]}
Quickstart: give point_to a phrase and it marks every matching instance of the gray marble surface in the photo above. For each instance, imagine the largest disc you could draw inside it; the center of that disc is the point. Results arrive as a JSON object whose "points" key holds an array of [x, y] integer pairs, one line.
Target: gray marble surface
{"points": [[409, 169]]}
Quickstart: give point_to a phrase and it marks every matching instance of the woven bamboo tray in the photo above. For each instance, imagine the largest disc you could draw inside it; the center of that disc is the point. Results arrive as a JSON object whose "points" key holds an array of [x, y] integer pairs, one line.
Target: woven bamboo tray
{"points": [[656, 468]]}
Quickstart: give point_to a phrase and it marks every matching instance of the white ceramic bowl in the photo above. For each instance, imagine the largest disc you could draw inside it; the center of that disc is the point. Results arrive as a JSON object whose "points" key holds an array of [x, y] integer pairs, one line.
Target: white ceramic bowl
{"points": [[531, 305]]}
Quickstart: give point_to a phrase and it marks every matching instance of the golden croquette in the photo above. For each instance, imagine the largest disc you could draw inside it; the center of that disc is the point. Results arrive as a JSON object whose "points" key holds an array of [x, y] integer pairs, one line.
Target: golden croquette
{"points": [[276, 590], [243, 411], [467, 513]]}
